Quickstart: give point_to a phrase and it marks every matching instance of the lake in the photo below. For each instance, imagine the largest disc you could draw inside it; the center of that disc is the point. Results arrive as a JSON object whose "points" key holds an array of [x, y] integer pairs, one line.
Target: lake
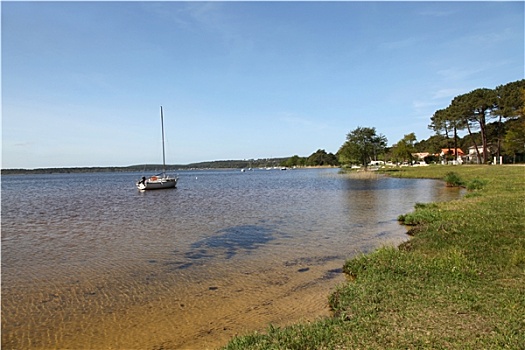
{"points": [[88, 261]]}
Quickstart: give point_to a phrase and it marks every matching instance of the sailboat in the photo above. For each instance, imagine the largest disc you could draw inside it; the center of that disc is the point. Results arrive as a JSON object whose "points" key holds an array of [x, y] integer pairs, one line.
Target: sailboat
{"points": [[159, 181]]}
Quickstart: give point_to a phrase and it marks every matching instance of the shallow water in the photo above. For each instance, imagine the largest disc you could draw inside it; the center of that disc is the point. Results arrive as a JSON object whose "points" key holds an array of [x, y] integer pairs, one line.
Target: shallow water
{"points": [[90, 262]]}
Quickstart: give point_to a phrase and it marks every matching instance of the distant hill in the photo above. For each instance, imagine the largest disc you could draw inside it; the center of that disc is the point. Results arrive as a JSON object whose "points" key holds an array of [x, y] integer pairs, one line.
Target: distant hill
{"points": [[218, 164]]}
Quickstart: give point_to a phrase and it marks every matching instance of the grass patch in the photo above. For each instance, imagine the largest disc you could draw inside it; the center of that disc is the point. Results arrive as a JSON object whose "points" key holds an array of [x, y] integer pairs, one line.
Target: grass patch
{"points": [[424, 213], [459, 283], [476, 184], [454, 180]]}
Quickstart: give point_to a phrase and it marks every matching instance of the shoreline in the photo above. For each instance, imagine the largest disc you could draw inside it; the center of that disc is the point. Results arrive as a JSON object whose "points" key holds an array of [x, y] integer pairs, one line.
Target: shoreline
{"points": [[363, 318]]}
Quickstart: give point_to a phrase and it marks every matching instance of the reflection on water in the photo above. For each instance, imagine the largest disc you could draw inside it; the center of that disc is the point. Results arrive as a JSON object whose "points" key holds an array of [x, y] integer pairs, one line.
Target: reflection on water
{"points": [[90, 262], [381, 200]]}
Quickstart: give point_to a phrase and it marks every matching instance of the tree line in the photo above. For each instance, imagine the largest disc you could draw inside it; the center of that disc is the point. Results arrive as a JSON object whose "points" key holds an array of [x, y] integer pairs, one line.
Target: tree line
{"points": [[474, 112], [493, 120]]}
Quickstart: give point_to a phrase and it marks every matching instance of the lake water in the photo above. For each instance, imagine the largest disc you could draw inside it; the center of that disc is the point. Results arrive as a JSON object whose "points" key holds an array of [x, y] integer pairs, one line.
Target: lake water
{"points": [[90, 262]]}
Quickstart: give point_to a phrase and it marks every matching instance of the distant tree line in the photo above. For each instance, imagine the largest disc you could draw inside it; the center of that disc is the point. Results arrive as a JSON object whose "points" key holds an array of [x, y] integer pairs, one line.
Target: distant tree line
{"points": [[70, 170], [234, 164], [155, 168], [318, 158]]}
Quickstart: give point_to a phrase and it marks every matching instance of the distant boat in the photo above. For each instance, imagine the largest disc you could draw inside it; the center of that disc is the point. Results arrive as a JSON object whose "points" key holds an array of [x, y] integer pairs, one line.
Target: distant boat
{"points": [[159, 181]]}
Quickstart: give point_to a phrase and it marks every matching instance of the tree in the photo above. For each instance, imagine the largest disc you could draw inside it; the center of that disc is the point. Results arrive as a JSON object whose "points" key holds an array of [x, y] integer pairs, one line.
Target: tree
{"points": [[440, 123], [294, 161], [514, 141], [405, 147], [433, 144], [481, 103], [460, 111], [511, 99], [361, 145], [474, 111], [320, 157], [510, 104]]}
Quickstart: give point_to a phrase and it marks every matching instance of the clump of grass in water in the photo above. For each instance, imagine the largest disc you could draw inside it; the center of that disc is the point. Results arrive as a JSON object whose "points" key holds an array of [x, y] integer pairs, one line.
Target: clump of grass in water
{"points": [[454, 180], [424, 213]]}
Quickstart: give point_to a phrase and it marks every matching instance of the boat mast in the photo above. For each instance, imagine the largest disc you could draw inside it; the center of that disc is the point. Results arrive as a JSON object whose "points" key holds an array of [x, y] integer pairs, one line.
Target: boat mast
{"points": [[163, 151]]}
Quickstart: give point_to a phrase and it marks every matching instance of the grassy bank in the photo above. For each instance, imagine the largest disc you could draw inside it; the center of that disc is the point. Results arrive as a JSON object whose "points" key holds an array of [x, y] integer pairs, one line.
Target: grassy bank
{"points": [[459, 283]]}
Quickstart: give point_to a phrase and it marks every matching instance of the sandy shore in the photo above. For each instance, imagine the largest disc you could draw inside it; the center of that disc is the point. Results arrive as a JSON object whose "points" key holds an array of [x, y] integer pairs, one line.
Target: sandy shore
{"points": [[85, 313]]}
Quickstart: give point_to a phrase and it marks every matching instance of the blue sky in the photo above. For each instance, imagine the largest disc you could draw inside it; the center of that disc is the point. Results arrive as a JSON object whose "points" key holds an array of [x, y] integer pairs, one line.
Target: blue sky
{"points": [[83, 82]]}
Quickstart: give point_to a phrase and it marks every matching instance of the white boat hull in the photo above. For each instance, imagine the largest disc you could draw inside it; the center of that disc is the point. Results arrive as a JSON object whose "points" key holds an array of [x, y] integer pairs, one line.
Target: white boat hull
{"points": [[154, 183]]}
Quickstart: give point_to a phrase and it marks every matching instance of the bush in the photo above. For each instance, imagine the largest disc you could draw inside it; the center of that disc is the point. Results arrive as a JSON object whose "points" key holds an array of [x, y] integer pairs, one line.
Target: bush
{"points": [[454, 180], [431, 159]]}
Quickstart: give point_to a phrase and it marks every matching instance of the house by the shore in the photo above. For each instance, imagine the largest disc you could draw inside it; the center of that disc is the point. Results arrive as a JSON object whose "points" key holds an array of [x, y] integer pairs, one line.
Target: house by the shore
{"points": [[452, 156], [472, 156]]}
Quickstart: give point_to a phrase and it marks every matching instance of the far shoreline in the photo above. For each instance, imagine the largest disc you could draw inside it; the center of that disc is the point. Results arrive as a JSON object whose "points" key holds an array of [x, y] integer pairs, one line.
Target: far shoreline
{"points": [[143, 168]]}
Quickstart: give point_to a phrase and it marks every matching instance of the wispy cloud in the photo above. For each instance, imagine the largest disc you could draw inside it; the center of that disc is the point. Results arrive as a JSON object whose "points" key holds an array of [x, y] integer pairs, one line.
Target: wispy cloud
{"points": [[302, 121], [459, 73], [205, 13], [447, 93], [424, 108], [23, 144], [436, 13], [418, 104], [493, 38], [399, 44], [462, 73], [187, 15]]}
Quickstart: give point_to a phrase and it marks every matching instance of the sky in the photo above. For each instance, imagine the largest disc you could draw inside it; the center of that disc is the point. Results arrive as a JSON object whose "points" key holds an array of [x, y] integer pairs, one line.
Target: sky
{"points": [[83, 82]]}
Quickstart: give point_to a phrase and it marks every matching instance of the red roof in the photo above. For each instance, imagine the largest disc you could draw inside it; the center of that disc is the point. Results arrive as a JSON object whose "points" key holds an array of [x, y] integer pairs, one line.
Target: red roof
{"points": [[451, 151]]}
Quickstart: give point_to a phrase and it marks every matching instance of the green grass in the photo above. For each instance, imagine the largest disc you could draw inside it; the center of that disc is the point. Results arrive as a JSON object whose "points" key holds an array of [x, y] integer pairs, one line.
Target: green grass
{"points": [[459, 283]]}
